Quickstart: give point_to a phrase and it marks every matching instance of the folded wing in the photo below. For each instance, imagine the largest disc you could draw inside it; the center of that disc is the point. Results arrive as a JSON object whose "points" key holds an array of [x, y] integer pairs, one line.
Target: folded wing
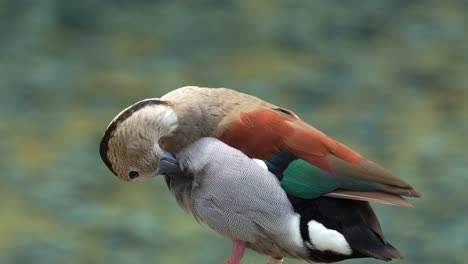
{"points": [[320, 160]]}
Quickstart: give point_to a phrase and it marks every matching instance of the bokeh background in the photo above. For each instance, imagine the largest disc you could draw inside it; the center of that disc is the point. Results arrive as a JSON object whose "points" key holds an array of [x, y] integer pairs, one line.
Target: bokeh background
{"points": [[387, 78]]}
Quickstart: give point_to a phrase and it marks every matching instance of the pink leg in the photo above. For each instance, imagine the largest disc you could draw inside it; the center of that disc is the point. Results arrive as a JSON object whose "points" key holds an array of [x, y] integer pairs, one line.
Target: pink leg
{"points": [[238, 248]]}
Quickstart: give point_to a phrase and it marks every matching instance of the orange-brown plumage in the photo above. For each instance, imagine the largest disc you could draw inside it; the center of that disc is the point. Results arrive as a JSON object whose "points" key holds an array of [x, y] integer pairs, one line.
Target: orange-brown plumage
{"points": [[261, 133], [258, 134]]}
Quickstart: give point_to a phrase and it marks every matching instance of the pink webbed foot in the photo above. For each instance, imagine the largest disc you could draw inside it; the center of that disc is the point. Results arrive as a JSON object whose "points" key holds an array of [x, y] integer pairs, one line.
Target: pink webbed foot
{"points": [[275, 260]]}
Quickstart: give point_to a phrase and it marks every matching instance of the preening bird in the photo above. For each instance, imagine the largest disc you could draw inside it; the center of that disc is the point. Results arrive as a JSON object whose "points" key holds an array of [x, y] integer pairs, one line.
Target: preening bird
{"points": [[310, 165]]}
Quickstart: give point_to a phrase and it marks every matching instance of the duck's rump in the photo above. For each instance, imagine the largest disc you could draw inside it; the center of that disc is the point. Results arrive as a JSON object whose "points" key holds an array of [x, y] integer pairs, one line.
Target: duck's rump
{"points": [[359, 233]]}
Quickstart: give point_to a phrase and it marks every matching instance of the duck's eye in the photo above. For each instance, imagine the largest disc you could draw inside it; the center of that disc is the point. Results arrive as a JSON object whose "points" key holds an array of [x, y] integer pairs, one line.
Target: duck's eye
{"points": [[161, 143], [133, 174]]}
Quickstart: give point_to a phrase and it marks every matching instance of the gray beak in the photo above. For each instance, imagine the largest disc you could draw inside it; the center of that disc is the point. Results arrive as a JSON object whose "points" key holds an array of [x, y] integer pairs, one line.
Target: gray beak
{"points": [[168, 165]]}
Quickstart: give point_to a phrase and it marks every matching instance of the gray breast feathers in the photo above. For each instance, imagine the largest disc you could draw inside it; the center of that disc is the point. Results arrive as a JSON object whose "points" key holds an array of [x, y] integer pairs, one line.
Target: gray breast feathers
{"points": [[239, 199]]}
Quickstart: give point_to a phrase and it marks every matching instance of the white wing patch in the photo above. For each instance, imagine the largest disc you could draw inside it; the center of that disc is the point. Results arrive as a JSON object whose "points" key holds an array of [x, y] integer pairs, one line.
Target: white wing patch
{"points": [[294, 230], [261, 163], [327, 239]]}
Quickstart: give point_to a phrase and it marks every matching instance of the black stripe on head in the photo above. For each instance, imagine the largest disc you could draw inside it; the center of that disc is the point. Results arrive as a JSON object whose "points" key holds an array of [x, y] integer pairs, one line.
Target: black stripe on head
{"points": [[104, 147]]}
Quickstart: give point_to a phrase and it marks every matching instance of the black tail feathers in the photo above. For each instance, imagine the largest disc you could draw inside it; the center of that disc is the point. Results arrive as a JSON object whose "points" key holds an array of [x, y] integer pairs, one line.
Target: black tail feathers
{"points": [[355, 220]]}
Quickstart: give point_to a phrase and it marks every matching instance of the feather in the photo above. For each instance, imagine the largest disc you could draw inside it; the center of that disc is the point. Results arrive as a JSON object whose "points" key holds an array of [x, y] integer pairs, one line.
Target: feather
{"points": [[376, 197], [304, 180], [355, 220], [263, 132], [368, 215], [307, 181]]}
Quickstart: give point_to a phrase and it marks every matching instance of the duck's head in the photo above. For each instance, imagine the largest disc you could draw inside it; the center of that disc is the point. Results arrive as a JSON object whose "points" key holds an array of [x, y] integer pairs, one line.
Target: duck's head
{"points": [[132, 143]]}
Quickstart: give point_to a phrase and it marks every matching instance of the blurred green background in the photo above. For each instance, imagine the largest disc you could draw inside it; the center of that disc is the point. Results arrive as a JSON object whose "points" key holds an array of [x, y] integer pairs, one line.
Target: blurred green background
{"points": [[387, 78]]}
